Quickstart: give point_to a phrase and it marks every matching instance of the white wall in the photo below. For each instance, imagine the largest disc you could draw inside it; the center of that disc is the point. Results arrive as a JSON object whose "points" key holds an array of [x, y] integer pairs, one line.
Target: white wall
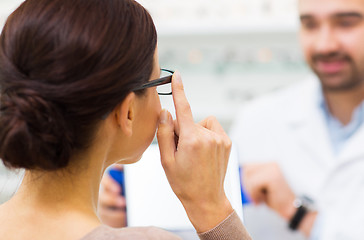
{"points": [[6, 7]]}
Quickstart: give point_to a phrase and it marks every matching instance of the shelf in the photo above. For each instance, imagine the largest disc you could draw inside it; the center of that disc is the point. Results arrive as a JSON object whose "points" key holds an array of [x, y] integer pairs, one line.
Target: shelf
{"points": [[217, 26], [194, 19], [225, 29]]}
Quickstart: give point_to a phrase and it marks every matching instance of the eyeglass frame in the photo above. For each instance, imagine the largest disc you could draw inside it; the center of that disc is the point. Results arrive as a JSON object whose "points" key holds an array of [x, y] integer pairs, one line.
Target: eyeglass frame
{"points": [[157, 82], [152, 83]]}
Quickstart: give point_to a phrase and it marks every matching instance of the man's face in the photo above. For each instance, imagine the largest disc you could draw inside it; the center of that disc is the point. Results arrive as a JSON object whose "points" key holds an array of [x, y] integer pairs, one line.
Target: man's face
{"points": [[332, 37]]}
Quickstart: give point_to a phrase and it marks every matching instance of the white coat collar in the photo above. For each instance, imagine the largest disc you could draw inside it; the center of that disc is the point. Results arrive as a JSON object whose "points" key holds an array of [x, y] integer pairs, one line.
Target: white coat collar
{"points": [[306, 120]]}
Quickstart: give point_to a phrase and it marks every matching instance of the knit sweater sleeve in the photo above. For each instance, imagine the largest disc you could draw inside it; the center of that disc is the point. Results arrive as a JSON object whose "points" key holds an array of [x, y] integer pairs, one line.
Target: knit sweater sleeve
{"points": [[230, 229]]}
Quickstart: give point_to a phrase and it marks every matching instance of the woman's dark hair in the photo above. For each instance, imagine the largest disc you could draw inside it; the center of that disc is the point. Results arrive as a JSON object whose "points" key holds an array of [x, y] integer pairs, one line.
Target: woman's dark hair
{"points": [[64, 64]]}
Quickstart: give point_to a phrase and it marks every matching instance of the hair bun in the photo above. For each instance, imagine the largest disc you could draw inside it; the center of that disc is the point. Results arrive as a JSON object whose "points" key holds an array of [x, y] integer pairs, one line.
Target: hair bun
{"points": [[30, 138], [64, 64]]}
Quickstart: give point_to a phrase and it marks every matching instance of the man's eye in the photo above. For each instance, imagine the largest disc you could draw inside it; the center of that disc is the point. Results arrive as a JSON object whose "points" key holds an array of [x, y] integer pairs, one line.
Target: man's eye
{"points": [[309, 25], [347, 22]]}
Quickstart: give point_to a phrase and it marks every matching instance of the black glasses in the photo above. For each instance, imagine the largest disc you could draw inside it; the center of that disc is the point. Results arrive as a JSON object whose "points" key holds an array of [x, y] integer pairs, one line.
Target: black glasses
{"points": [[163, 83]]}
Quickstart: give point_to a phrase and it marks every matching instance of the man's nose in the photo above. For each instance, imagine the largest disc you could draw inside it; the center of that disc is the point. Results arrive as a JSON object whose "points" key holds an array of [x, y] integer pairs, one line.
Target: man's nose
{"points": [[326, 41]]}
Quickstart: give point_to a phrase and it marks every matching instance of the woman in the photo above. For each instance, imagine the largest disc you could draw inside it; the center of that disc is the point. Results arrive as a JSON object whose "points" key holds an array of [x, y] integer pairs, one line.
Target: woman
{"points": [[74, 101]]}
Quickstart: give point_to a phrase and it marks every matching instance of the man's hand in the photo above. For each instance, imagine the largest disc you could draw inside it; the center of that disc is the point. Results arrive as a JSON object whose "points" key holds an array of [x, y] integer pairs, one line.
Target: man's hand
{"points": [[112, 204], [265, 183]]}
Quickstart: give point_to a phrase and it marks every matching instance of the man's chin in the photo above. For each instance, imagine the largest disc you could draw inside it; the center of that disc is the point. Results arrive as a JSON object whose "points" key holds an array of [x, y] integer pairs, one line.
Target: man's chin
{"points": [[337, 82]]}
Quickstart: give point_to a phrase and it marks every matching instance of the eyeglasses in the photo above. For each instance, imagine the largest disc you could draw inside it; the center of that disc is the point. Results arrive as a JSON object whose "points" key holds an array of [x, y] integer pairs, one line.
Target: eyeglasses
{"points": [[163, 83]]}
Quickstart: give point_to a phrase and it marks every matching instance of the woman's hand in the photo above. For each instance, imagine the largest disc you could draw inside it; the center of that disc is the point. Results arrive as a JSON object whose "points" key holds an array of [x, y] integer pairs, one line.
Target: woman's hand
{"points": [[195, 158]]}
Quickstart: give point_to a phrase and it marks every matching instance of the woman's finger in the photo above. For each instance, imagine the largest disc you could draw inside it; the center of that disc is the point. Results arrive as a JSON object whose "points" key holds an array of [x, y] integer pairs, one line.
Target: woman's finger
{"points": [[212, 124], [166, 138], [183, 109]]}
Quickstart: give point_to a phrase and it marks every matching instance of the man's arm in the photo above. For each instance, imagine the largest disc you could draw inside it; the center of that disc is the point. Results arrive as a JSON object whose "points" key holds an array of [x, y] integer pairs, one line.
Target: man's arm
{"points": [[265, 183]]}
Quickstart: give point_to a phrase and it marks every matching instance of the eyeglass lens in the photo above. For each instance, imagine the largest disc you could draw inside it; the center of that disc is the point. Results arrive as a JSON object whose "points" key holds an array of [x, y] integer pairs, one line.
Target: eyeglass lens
{"points": [[164, 89]]}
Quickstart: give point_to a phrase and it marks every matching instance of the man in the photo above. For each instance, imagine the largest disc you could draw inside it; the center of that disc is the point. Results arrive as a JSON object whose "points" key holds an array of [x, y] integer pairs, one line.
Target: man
{"points": [[308, 140]]}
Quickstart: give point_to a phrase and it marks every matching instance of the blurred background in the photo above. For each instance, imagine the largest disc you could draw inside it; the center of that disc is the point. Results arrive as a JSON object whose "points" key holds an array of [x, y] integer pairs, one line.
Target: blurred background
{"points": [[228, 53]]}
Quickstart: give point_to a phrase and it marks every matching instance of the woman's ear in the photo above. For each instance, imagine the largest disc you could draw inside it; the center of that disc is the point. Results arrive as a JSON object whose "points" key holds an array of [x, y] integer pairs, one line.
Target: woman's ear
{"points": [[124, 114]]}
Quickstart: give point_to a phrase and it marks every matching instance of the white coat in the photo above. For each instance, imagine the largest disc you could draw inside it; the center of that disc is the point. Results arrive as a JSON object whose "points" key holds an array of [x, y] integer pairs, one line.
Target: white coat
{"points": [[289, 127]]}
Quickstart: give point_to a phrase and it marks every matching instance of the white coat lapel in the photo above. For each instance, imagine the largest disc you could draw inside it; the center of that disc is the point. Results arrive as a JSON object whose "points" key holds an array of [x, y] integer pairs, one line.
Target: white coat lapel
{"points": [[307, 123], [354, 148]]}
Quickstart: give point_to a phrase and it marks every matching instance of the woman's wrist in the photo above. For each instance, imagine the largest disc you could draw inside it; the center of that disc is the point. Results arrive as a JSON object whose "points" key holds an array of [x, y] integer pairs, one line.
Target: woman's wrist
{"points": [[204, 216]]}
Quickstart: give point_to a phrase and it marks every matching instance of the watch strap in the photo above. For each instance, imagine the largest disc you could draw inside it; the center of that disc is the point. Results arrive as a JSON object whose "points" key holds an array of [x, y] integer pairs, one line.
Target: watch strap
{"points": [[297, 217]]}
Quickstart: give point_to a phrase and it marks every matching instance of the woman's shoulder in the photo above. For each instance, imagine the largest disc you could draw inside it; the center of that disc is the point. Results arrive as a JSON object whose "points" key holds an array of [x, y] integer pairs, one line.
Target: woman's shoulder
{"points": [[104, 232]]}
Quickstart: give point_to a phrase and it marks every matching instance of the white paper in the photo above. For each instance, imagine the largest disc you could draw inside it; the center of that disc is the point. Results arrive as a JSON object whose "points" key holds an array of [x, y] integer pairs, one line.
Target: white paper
{"points": [[151, 201]]}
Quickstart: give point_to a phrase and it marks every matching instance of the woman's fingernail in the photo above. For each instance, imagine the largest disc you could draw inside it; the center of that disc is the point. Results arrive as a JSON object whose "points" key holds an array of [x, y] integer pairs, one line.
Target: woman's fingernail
{"points": [[177, 77]]}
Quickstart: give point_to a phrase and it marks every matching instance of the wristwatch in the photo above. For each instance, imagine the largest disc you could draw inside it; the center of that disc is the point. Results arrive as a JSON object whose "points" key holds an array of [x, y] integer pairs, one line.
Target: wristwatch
{"points": [[303, 205]]}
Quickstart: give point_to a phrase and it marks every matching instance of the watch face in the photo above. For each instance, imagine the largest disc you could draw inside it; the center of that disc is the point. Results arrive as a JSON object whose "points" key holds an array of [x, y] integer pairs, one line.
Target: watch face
{"points": [[307, 202], [297, 202]]}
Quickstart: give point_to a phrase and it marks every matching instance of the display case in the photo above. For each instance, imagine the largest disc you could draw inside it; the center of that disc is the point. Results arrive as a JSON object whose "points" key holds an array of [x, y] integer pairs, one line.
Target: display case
{"points": [[228, 52]]}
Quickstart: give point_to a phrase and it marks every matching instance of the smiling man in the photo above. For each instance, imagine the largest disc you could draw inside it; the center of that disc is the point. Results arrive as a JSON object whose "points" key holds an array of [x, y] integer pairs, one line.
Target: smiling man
{"points": [[332, 33], [307, 140]]}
